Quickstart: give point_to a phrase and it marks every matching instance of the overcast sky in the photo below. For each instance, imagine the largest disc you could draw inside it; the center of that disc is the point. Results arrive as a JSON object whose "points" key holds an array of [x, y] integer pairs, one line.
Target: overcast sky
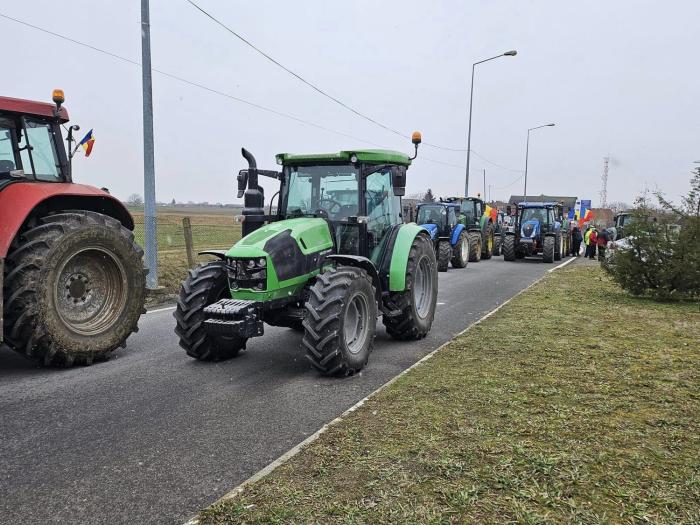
{"points": [[619, 78]]}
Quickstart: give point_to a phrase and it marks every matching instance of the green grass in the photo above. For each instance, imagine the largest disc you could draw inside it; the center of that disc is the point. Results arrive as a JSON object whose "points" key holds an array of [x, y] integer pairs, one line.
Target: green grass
{"points": [[575, 403]]}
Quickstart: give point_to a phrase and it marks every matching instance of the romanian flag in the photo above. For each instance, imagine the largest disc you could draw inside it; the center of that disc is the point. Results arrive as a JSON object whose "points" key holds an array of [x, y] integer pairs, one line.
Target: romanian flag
{"points": [[587, 217], [87, 143], [491, 212]]}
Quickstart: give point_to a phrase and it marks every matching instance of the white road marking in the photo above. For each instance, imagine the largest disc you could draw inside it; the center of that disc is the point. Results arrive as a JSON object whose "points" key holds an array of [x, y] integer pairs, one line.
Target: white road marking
{"points": [[572, 259], [161, 310]]}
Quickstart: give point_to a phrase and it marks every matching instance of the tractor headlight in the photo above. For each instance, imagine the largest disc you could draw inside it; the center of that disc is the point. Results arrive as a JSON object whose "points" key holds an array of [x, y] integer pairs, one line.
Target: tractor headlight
{"points": [[248, 273]]}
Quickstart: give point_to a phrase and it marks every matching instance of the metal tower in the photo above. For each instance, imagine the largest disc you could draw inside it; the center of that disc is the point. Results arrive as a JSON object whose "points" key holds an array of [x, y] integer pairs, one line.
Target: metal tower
{"points": [[604, 188]]}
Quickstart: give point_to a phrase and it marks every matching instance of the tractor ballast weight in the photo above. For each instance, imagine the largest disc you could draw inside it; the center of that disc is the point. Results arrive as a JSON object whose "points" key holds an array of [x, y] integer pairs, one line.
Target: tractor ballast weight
{"points": [[334, 256], [538, 229], [449, 237], [72, 278]]}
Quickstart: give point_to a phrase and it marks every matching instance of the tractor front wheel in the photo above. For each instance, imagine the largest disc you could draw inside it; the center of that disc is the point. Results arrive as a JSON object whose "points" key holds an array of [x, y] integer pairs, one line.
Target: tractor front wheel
{"points": [[74, 288], [558, 247], [474, 246], [443, 256], [509, 248], [460, 252], [205, 285], [418, 301], [341, 322], [497, 240], [548, 249]]}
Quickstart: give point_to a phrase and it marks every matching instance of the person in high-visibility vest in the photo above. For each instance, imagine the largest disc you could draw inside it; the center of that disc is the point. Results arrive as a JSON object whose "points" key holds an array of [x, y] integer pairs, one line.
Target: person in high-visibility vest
{"points": [[587, 240]]}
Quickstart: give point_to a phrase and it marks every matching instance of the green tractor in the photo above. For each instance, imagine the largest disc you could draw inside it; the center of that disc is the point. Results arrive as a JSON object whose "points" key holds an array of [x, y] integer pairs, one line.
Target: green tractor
{"points": [[478, 224], [322, 264]]}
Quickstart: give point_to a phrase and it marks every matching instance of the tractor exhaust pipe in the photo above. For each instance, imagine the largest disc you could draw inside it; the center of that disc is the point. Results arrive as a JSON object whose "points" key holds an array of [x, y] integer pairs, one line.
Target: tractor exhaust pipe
{"points": [[253, 197]]}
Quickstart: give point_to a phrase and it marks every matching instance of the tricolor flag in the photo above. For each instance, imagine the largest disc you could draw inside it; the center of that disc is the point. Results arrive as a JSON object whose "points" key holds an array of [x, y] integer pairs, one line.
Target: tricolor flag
{"points": [[87, 143]]}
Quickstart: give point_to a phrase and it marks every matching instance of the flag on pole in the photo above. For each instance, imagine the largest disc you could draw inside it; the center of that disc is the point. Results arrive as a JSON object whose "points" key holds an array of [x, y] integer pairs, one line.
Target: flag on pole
{"points": [[87, 143]]}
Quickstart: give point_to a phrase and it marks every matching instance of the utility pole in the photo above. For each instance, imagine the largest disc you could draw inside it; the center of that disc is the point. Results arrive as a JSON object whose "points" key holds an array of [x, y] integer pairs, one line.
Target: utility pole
{"points": [[149, 175], [484, 183]]}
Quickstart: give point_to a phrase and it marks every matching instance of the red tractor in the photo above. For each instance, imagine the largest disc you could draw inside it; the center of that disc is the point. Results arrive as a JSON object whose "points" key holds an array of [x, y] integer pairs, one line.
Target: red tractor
{"points": [[72, 277]]}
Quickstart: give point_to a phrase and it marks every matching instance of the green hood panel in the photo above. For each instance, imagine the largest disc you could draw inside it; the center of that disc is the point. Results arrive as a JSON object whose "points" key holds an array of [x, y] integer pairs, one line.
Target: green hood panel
{"points": [[311, 234]]}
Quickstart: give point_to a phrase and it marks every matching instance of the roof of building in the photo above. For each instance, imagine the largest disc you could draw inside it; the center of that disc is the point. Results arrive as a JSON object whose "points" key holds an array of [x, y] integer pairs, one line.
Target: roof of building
{"points": [[567, 202], [32, 107], [371, 156]]}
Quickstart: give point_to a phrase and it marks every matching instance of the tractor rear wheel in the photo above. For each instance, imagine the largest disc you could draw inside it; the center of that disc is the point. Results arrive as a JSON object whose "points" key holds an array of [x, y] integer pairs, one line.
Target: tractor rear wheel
{"points": [[558, 248], [509, 248], [204, 285], [548, 249], [460, 252], [418, 301], [474, 246], [443, 256], [487, 249], [341, 322], [74, 287], [497, 240]]}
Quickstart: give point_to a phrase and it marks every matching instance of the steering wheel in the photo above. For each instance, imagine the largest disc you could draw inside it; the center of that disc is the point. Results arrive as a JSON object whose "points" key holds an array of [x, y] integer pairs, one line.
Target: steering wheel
{"points": [[333, 206]]}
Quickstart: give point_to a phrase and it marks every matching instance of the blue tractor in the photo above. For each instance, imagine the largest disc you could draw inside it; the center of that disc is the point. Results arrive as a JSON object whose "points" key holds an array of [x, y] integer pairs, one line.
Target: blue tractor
{"points": [[538, 229], [449, 237]]}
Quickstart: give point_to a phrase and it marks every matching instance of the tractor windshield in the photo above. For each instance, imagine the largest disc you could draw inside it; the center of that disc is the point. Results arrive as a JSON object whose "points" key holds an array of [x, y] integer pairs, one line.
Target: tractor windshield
{"points": [[40, 158], [428, 214], [321, 190], [7, 154], [534, 214]]}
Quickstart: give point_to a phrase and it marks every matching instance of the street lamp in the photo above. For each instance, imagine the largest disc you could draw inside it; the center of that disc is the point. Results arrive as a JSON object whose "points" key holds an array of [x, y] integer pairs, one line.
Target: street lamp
{"points": [[527, 152], [511, 53]]}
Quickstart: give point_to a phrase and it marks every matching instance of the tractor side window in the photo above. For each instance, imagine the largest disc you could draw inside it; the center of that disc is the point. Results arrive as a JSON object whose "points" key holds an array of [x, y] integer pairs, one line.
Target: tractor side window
{"points": [[41, 160], [451, 217], [383, 209], [7, 155], [299, 197]]}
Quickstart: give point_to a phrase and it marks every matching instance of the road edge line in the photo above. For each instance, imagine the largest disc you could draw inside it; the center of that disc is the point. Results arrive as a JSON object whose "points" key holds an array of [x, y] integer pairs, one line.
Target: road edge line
{"points": [[313, 437], [572, 259]]}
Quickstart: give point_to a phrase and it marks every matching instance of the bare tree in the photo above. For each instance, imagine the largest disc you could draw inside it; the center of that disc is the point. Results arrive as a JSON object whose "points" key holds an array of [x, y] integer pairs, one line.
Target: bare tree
{"points": [[135, 199]]}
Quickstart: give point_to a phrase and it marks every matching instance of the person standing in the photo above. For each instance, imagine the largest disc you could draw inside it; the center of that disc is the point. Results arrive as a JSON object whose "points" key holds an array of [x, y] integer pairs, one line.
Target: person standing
{"points": [[592, 243], [602, 241], [576, 239], [587, 240]]}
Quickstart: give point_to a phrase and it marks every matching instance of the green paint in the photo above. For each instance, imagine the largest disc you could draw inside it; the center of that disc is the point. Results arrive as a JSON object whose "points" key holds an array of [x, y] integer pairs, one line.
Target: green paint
{"points": [[399, 257], [369, 156]]}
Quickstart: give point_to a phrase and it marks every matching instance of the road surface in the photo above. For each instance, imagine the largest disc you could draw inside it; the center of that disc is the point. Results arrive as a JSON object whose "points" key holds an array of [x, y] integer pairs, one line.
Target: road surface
{"points": [[152, 436]]}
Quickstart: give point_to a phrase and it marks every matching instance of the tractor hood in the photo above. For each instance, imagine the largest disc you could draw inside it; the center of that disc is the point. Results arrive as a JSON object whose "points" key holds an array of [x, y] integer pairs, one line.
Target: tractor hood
{"points": [[530, 229]]}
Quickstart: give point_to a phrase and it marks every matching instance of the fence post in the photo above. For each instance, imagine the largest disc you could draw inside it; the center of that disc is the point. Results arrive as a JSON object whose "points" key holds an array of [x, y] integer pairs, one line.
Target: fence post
{"points": [[189, 248]]}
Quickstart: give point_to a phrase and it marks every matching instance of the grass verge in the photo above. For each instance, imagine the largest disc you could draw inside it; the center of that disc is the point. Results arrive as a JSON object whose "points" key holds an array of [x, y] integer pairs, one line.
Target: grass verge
{"points": [[575, 403]]}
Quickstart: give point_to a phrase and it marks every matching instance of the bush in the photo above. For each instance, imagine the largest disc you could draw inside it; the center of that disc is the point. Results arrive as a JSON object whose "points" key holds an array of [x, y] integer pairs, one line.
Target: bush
{"points": [[663, 260]]}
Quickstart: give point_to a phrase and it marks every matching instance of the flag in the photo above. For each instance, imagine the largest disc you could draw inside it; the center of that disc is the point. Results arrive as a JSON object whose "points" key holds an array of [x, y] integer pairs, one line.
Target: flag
{"points": [[87, 143]]}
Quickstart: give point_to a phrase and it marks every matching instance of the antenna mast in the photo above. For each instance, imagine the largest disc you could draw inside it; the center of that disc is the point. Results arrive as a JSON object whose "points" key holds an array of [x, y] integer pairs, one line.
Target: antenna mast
{"points": [[604, 188]]}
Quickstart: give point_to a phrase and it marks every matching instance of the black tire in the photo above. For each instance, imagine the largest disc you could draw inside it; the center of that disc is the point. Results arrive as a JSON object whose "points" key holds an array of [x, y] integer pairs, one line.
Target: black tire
{"points": [[548, 249], [509, 248], [331, 337], [474, 246], [74, 288], [497, 240], [460, 252], [443, 256], [486, 250], [558, 247], [416, 317], [204, 285]]}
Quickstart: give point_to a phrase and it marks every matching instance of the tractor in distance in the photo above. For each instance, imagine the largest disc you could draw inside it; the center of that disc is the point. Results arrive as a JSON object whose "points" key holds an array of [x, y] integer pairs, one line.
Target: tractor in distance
{"points": [[622, 221], [326, 267], [538, 229], [73, 282], [500, 226], [449, 236], [479, 225]]}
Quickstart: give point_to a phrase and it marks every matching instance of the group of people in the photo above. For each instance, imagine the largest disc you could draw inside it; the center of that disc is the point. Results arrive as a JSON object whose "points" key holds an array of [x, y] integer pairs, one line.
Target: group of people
{"points": [[593, 239]]}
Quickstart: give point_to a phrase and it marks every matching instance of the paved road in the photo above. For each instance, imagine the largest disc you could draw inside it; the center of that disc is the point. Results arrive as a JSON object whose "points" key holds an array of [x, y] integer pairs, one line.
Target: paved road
{"points": [[152, 436]]}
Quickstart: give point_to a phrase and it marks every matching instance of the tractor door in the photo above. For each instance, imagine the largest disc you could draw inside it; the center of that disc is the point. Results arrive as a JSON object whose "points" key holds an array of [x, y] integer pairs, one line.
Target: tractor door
{"points": [[383, 212]]}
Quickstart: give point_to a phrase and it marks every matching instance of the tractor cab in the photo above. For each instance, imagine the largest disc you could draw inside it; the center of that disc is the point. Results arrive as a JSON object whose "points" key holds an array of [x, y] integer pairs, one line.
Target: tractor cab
{"points": [[439, 218], [31, 146]]}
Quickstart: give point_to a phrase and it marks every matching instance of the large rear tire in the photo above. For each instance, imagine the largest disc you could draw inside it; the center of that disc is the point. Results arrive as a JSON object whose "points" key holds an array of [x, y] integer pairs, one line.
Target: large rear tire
{"points": [[509, 248], [460, 252], [443, 256], [418, 301], [548, 249], [474, 246], [74, 288], [497, 240], [204, 285], [341, 321], [487, 247], [558, 247]]}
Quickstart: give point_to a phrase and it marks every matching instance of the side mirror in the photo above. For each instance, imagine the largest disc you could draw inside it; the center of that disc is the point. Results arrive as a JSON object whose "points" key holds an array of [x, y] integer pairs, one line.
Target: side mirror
{"points": [[242, 182], [398, 180]]}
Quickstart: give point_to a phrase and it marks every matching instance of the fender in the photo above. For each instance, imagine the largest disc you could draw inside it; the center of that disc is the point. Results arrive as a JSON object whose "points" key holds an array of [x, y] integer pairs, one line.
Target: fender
{"points": [[455, 233], [432, 229], [399, 256], [221, 254], [361, 262], [19, 200]]}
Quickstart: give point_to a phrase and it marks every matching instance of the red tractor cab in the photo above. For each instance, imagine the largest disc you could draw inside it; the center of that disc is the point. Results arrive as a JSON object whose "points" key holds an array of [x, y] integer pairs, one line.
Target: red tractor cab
{"points": [[72, 278]]}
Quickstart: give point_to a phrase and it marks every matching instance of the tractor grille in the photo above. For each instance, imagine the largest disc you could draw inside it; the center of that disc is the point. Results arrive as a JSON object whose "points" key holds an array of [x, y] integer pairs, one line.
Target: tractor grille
{"points": [[528, 229], [248, 273]]}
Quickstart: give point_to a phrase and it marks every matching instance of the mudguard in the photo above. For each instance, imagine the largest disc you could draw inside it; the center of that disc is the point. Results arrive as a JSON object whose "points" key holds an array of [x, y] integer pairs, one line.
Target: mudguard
{"points": [[432, 229], [399, 256], [455, 233], [364, 263]]}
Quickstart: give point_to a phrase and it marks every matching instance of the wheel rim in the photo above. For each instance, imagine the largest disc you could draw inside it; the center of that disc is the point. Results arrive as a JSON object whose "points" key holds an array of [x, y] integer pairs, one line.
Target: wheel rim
{"points": [[464, 249], [90, 291], [489, 244], [356, 323], [423, 288]]}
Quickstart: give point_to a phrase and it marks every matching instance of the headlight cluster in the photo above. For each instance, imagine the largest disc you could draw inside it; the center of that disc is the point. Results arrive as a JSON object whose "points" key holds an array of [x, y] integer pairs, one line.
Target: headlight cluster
{"points": [[248, 273]]}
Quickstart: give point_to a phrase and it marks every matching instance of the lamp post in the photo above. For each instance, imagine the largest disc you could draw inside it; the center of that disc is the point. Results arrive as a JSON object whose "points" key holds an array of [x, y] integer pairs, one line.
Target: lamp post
{"points": [[527, 152], [511, 53]]}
